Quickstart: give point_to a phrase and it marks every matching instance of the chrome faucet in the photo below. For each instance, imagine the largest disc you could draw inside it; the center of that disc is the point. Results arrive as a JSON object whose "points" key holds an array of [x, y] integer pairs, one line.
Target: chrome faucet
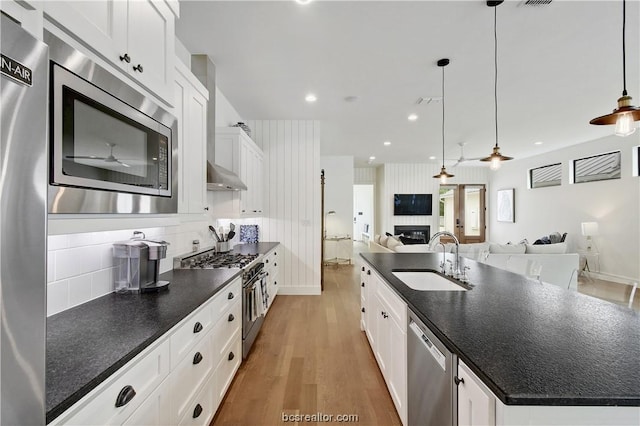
{"points": [[456, 265], [443, 263]]}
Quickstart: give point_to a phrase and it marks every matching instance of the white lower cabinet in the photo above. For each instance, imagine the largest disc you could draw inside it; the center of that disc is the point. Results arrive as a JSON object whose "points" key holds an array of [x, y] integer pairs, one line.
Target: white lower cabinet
{"points": [[180, 379], [155, 410], [385, 323], [476, 403], [272, 269]]}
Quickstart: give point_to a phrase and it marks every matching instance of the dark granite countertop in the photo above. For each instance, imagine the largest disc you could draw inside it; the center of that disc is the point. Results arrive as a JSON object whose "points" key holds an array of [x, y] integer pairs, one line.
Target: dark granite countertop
{"points": [[530, 343], [88, 343]]}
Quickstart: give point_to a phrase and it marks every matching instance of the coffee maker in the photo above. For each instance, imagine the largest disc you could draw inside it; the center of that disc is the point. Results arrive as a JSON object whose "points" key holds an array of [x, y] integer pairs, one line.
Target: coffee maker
{"points": [[138, 265]]}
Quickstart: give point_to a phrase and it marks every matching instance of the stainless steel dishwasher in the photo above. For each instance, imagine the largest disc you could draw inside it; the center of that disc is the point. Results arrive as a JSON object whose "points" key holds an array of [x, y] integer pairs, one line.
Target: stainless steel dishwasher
{"points": [[433, 399]]}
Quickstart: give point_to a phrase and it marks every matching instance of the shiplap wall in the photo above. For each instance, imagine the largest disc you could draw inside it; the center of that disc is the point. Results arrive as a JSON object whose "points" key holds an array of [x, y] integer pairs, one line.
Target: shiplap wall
{"points": [[364, 176], [418, 179], [292, 198]]}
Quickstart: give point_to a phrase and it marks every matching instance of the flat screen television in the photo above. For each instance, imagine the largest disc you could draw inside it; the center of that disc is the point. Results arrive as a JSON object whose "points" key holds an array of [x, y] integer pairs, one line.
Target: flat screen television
{"points": [[412, 204]]}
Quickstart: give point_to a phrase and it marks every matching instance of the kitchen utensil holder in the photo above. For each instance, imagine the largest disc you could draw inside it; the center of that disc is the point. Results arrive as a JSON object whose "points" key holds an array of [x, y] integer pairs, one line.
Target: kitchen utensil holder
{"points": [[223, 246]]}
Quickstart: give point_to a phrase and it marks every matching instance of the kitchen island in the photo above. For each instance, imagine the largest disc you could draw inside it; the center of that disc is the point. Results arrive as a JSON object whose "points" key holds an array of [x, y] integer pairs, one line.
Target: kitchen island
{"points": [[88, 343], [531, 344]]}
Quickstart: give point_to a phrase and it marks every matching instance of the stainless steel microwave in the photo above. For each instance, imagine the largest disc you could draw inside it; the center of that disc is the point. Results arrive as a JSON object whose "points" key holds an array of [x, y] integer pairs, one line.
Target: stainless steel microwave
{"points": [[112, 150]]}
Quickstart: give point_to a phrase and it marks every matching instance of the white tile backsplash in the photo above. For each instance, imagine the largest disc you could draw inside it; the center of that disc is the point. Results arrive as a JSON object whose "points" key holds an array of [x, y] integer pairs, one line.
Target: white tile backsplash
{"points": [[79, 289], [57, 297], [80, 266], [101, 283]]}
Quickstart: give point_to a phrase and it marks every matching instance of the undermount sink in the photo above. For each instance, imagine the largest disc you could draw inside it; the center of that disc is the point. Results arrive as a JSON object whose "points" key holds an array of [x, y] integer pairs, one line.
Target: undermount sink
{"points": [[427, 281]]}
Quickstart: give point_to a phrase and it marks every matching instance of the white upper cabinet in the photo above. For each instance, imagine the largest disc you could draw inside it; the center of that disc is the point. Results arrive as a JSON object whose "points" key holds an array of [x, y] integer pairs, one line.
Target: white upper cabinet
{"points": [[136, 36], [191, 111], [234, 150]]}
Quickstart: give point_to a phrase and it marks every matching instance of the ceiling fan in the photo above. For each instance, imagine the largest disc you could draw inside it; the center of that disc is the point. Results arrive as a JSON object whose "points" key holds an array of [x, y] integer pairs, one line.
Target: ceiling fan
{"points": [[110, 159], [462, 158]]}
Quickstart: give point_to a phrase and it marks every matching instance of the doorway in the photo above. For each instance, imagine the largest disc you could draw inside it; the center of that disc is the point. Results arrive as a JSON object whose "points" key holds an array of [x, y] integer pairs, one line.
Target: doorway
{"points": [[463, 211], [363, 212]]}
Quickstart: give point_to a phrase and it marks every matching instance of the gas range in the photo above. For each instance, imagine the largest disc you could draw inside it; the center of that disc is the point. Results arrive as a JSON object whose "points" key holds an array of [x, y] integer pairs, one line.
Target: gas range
{"points": [[210, 259]]}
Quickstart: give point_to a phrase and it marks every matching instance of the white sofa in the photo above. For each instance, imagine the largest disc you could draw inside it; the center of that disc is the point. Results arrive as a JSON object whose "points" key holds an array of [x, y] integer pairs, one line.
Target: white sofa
{"points": [[558, 267], [384, 244]]}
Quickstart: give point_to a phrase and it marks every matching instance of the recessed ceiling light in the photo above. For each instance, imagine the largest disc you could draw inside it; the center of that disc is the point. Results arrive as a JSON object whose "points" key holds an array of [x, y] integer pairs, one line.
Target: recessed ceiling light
{"points": [[433, 157], [372, 158], [538, 143], [303, 1], [387, 143], [310, 98], [412, 117]]}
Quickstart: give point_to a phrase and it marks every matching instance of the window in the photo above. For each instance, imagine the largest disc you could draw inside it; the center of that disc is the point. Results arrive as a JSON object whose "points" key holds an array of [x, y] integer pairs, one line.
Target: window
{"points": [[550, 175], [598, 167]]}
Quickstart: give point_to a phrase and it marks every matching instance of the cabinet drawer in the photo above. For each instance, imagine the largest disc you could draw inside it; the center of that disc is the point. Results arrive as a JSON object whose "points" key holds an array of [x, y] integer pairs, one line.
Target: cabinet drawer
{"points": [[397, 307], [232, 356], [225, 330], [140, 377], [188, 377], [225, 298], [194, 328], [201, 409], [155, 410]]}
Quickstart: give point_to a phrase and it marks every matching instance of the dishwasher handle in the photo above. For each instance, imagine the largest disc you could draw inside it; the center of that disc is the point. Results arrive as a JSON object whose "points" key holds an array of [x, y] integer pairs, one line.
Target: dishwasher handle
{"points": [[428, 345]]}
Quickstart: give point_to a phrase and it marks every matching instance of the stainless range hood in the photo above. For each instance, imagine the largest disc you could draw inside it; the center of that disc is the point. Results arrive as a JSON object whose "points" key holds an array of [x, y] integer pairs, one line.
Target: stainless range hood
{"points": [[218, 178], [221, 179]]}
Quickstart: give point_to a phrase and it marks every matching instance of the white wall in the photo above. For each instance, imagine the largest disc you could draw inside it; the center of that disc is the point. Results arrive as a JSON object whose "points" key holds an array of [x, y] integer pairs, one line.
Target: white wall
{"points": [[364, 175], [614, 204], [292, 198], [226, 114], [338, 193], [418, 179]]}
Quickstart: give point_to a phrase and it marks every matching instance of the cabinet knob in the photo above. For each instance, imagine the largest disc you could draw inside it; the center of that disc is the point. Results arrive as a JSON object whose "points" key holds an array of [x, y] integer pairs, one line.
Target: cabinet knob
{"points": [[230, 296], [362, 285], [266, 261], [197, 411], [231, 356], [138, 68], [458, 380], [275, 283], [275, 264], [255, 211], [231, 317], [197, 358], [197, 327], [384, 314], [206, 208], [126, 58], [362, 310], [363, 269], [126, 394], [243, 211], [369, 272]]}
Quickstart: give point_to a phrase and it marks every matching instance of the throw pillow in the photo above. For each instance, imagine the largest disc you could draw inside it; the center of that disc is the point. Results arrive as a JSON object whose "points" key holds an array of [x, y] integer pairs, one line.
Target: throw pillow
{"points": [[407, 240], [392, 243], [376, 239], [507, 248], [555, 237], [559, 248], [383, 240]]}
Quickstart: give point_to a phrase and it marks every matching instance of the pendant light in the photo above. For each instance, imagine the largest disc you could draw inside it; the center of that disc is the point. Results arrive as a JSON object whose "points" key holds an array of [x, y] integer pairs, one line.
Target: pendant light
{"points": [[625, 115], [443, 175], [496, 157]]}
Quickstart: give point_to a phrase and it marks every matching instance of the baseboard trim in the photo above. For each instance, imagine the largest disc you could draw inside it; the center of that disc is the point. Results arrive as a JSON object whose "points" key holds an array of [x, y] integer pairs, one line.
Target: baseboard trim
{"points": [[299, 291]]}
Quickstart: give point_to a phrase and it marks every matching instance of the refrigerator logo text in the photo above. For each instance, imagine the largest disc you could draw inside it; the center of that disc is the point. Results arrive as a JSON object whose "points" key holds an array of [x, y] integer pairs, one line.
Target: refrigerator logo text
{"points": [[15, 70]]}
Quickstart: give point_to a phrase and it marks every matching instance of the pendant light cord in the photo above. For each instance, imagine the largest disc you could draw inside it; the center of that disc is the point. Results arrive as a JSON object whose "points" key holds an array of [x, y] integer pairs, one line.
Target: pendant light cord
{"points": [[442, 117], [624, 55], [495, 63]]}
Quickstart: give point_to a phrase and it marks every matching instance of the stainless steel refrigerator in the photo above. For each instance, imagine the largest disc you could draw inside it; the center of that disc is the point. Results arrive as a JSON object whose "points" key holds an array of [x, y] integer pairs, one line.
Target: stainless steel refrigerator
{"points": [[23, 225]]}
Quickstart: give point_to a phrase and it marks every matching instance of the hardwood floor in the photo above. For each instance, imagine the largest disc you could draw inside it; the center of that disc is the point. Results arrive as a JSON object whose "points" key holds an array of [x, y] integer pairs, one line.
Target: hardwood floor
{"points": [[309, 358]]}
